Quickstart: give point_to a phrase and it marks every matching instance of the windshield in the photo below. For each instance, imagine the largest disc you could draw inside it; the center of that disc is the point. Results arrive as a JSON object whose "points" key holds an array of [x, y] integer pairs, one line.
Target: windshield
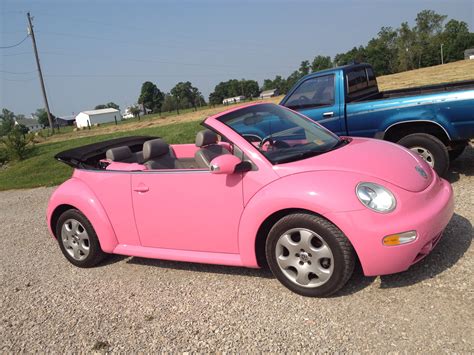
{"points": [[280, 134]]}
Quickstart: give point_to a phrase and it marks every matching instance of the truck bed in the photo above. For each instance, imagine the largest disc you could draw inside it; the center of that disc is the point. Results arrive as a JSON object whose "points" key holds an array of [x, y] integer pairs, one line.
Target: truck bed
{"points": [[421, 90]]}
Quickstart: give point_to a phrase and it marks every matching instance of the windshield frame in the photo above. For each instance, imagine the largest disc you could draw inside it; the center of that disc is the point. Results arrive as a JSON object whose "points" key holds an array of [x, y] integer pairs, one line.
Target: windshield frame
{"points": [[298, 155]]}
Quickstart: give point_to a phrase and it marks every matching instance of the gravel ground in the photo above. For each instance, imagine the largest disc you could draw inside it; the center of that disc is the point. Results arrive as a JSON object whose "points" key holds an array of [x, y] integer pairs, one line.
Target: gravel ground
{"points": [[133, 304]]}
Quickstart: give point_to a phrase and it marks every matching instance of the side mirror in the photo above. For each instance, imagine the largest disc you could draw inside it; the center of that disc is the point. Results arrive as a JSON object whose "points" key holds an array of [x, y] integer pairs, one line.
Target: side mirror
{"points": [[224, 164]]}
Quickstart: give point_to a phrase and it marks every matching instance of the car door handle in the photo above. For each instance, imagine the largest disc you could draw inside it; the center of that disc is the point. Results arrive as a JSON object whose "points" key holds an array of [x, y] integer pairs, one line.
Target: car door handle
{"points": [[141, 188], [328, 114]]}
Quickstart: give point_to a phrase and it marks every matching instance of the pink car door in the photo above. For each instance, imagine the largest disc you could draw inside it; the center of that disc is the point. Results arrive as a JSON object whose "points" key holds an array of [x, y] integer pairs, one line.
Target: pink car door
{"points": [[188, 209]]}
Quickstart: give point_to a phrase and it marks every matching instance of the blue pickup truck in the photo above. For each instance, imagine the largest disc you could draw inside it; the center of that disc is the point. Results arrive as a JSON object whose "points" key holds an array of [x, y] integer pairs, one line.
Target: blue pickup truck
{"points": [[436, 121]]}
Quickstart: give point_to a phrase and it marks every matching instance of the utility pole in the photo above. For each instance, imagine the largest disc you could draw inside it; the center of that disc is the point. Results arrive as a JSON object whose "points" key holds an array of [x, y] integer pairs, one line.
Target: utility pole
{"points": [[32, 34], [442, 56]]}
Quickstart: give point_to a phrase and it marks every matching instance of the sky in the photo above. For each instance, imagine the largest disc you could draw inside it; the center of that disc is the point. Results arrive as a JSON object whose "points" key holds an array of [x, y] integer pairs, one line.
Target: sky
{"points": [[94, 52]]}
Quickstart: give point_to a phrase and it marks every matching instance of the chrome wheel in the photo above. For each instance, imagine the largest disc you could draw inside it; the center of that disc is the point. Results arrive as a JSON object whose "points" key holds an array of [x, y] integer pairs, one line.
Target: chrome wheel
{"points": [[75, 239], [425, 154], [304, 257]]}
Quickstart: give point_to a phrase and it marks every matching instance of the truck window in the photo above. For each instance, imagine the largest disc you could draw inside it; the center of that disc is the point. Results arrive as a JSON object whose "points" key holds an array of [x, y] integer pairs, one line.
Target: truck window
{"points": [[361, 84], [313, 92], [371, 77]]}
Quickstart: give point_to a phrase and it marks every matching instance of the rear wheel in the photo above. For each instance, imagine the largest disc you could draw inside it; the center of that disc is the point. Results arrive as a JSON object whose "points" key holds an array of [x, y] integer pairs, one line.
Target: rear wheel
{"points": [[456, 152], [430, 148], [309, 255], [78, 240]]}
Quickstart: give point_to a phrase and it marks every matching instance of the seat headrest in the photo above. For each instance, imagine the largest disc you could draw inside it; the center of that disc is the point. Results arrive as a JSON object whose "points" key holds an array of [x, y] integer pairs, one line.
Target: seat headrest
{"points": [[118, 154], [155, 148], [205, 137]]}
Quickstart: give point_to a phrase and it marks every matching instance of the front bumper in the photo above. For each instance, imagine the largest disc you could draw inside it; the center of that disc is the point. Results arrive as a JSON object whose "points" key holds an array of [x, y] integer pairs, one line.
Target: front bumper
{"points": [[427, 212]]}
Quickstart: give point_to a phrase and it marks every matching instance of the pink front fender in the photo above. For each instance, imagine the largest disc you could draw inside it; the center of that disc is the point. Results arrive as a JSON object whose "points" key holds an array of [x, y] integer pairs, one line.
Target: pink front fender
{"points": [[76, 193], [318, 192]]}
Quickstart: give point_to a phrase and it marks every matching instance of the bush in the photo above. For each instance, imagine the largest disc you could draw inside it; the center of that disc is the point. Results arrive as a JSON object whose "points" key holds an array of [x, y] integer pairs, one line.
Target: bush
{"points": [[18, 144], [3, 155]]}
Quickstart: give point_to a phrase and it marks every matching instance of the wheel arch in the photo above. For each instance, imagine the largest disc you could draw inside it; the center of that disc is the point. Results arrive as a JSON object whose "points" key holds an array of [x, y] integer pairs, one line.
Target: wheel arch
{"points": [[75, 194], [398, 130], [57, 212], [313, 192]]}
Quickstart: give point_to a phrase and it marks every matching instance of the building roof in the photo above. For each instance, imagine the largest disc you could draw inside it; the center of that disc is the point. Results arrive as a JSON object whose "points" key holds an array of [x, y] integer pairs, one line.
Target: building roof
{"points": [[27, 121], [99, 112], [268, 91]]}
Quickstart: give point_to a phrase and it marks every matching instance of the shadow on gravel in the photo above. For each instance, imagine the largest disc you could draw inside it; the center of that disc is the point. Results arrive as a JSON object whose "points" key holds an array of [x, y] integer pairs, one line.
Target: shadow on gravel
{"points": [[207, 268], [464, 165], [455, 242]]}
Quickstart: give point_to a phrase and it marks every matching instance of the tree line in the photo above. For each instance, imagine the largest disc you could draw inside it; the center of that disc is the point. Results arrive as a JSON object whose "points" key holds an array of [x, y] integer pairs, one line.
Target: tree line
{"points": [[395, 50]]}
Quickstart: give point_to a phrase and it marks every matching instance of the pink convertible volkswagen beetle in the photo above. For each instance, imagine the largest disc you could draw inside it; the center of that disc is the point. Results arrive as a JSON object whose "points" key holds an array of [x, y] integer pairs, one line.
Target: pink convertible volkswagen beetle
{"points": [[262, 184]]}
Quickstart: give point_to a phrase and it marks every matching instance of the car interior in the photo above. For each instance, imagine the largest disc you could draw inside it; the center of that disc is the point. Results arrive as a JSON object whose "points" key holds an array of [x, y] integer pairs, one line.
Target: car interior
{"points": [[157, 154]]}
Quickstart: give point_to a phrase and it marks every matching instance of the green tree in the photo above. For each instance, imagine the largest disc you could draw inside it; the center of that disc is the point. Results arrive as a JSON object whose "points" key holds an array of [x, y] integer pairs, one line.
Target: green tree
{"points": [[109, 105], [321, 62], [429, 26], [304, 68], [7, 122], [381, 52], [151, 97], [18, 143], [42, 117], [113, 105], [406, 48], [356, 54], [456, 38], [135, 111]]}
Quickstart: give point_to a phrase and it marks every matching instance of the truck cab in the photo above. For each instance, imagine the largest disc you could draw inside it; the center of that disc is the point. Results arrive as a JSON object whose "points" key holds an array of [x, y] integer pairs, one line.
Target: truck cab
{"points": [[436, 121]]}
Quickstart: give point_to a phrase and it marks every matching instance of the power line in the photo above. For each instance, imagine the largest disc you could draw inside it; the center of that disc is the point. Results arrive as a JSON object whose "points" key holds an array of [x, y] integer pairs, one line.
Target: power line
{"points": [[15, 54], [15, 45], [19, 80], [18, 73]]}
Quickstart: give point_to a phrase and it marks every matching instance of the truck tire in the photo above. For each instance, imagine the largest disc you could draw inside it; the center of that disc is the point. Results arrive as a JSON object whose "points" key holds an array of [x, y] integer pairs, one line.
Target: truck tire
{"points": [[430, 148], [456, 153]]}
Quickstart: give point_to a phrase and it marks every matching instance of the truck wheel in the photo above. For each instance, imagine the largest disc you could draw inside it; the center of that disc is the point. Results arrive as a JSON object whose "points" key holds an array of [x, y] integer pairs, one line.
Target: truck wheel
{"points": [[78, 240], [309, 255], [430, 148], [456, 153]]}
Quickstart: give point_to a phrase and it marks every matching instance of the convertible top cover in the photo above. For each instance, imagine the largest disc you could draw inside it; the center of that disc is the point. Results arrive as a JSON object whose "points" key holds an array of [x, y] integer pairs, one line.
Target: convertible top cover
{"points": [[88, 156]]}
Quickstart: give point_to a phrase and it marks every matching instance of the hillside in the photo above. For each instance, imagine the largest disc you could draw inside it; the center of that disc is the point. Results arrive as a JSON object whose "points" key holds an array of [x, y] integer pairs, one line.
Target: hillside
{"points": [[462, 70]]}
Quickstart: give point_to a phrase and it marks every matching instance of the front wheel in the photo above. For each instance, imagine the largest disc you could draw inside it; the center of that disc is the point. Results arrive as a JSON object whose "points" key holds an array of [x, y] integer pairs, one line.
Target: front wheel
{"points": [[430, 148], [309, 255], [78, 240]]}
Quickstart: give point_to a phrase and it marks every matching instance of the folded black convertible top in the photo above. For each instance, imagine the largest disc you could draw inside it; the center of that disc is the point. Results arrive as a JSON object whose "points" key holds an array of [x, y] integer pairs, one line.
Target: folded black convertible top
{"points": [[91, 153]]}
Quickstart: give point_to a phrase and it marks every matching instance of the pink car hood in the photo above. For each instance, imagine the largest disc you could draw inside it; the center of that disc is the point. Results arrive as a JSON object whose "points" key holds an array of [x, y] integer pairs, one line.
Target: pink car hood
{"points": [[370, 157]]}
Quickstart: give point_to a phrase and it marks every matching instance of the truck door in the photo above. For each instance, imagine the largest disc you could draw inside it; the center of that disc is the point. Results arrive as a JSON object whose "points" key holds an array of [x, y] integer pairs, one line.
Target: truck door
{"points": [[318, 99]]}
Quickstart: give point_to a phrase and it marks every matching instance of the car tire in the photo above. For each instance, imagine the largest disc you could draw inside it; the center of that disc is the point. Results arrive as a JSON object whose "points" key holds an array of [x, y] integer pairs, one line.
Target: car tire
{"points": [[77, 239], [456, 152], [309, 255], [430, 148]]}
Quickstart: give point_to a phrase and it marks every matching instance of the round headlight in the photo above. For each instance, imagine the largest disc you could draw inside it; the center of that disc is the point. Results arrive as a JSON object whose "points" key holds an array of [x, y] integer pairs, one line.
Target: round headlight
{"points": [[376, 197]]}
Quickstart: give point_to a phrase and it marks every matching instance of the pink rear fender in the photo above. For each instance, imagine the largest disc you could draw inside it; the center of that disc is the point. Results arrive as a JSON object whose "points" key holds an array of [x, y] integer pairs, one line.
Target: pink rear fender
{"points": [[77, 194], [320, 192]]}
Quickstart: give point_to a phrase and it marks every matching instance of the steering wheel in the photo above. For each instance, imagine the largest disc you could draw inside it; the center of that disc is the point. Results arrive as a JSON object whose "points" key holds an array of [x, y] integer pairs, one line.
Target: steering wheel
{"points": [[303, 100], [250, 137]]}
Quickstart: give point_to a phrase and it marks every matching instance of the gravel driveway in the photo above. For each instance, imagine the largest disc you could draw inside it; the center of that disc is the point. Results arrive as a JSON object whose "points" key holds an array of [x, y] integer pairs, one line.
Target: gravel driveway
{"points": [[132, 304]]}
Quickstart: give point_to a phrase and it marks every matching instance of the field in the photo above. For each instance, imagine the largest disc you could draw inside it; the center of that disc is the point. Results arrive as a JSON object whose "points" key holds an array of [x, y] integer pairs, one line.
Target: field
{"points": [[40, 168], [462, 70]]}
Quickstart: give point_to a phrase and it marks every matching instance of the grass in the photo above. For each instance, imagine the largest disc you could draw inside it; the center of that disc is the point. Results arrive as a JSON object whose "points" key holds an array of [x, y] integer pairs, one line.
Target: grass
{"points": [[462, 70], [41, 169]]}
